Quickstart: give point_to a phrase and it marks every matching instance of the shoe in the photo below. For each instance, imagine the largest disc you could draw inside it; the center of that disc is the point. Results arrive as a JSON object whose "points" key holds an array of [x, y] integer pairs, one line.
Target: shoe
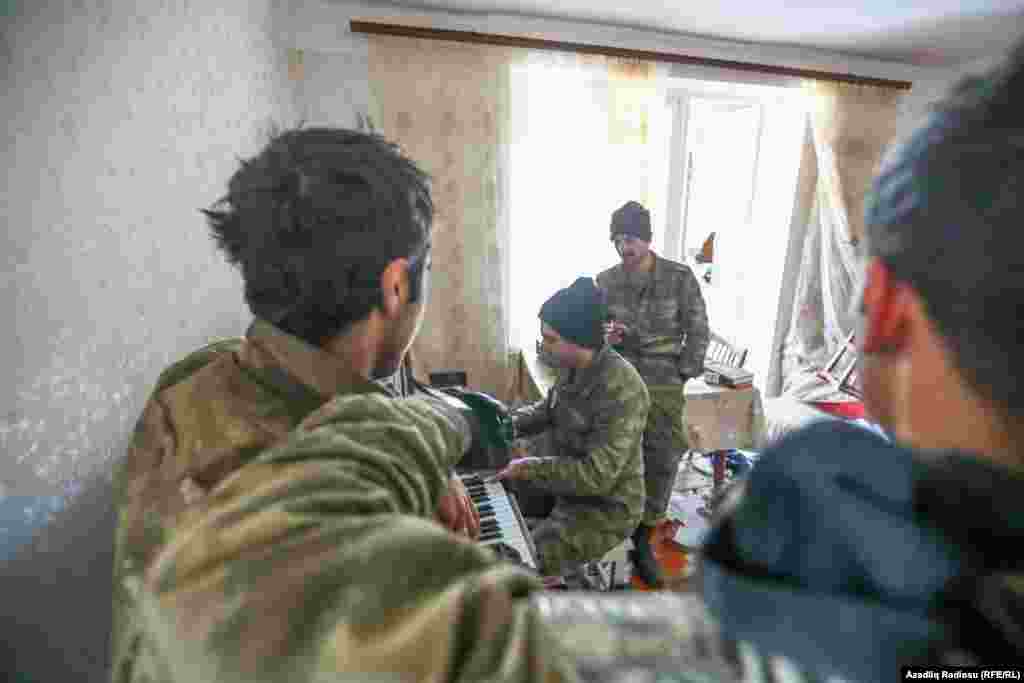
{"points": [[645, 565]]}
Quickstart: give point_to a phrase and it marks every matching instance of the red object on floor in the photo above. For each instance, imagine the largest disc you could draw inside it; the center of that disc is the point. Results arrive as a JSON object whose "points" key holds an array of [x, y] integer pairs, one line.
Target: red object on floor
{"points": [[670, 555], [848, 410]]}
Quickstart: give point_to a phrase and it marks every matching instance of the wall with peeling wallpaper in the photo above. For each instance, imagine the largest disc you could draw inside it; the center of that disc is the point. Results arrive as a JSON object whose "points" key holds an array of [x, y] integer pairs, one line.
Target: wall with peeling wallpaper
{"points": [[122, 119]]}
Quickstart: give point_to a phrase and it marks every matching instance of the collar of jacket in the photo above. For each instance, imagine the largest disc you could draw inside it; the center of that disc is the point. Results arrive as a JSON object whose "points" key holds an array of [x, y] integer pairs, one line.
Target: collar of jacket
{"points": [[582, 382], [295, 368], [976, 503]]}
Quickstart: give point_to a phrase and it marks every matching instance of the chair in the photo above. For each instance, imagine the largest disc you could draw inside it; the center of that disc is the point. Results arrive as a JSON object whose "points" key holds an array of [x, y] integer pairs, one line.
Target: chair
{"points": [[721, 351], [841, 369]]}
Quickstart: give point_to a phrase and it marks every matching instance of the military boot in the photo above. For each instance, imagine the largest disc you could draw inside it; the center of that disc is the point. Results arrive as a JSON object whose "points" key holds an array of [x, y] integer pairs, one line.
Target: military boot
{"points": [[645, 565]]}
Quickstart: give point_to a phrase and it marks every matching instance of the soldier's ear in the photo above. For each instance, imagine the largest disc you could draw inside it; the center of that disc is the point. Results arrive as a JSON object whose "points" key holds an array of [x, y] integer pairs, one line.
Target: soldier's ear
{"points": [[886, 309], [395, 287]]}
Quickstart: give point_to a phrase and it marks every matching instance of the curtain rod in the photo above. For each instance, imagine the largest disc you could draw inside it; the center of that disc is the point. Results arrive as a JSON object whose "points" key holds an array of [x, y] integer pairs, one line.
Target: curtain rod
{"points": [[385, 29]]}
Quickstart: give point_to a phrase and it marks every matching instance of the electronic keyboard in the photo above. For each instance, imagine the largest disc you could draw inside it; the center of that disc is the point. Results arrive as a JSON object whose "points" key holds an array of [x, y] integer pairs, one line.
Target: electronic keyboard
{"points": [[501, 522]]}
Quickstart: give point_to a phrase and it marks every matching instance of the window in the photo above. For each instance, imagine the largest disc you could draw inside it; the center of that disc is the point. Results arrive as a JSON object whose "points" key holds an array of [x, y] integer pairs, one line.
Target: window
{"points": [[735, 154], [718, 175], [702, 156], [582, 144]]}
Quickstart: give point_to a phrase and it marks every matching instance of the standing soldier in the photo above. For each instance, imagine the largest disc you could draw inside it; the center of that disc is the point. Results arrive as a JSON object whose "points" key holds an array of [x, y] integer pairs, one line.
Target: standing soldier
{"points": [[657, 320]]}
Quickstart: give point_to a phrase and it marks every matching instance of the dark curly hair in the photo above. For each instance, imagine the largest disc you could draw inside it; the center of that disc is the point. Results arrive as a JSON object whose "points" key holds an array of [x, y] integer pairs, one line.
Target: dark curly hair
{"points": [[946, 215], [313, 220]]}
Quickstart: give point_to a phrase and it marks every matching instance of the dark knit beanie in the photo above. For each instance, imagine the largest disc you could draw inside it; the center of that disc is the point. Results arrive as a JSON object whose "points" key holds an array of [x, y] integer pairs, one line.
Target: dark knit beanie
{"points": [[577, 313], [632, 219]]}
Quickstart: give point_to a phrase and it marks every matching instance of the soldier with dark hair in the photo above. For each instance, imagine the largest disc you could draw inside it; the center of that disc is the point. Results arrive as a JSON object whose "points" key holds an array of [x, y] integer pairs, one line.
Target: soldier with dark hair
{"points": [[314, 220], [660, 325], [588, 429], [331, 231]]}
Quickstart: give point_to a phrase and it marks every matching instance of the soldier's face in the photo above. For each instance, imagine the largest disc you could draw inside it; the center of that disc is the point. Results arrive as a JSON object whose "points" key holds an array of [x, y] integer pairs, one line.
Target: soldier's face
{"points": [[632, 250], [560, 351]]}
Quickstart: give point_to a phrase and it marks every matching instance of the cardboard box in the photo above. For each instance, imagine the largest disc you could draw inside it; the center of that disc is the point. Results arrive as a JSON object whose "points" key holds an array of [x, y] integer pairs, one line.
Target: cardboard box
{"points": [[726, 418]]}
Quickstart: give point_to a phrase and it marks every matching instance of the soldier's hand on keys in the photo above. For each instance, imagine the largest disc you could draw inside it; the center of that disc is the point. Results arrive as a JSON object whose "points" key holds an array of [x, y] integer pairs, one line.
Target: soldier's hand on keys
{"points": [[516, 469], [456, 510]]}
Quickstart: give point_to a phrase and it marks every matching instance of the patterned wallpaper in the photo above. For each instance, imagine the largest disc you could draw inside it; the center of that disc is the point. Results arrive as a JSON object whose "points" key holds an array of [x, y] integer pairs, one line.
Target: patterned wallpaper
{"points": [[446, 104], [857, 122]]}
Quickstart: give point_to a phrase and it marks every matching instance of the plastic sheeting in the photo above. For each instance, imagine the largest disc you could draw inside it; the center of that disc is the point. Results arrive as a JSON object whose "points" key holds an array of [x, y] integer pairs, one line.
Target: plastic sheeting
{"points": [[851, 126]]}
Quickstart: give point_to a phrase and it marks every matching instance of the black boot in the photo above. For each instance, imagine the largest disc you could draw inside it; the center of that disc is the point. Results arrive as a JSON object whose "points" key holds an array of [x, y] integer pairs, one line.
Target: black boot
{"points": [[645, 565]]}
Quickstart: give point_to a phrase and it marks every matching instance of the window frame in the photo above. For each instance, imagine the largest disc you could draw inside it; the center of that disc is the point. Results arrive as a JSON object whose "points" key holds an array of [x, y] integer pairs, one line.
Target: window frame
{"points": [[679, 99]]}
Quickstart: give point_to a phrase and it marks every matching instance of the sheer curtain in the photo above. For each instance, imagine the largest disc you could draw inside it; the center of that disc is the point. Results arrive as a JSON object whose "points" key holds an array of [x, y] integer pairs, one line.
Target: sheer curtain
{"points": [[447, 105], [851, 125], [588, 133]]}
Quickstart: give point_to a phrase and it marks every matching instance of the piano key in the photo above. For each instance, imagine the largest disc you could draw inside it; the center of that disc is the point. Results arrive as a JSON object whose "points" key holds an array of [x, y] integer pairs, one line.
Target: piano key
{"points": [[500, 519]]}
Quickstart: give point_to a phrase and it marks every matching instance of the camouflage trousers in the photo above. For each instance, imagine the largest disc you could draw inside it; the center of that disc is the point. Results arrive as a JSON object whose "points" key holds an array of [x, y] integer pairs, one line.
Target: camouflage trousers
{"points": [[572, 532], [664, 444]]}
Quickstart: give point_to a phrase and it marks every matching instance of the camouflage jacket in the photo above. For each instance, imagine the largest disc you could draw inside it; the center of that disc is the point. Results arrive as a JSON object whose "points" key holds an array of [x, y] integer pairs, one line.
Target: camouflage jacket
{"points": [[198, 454], [592, 422], [664, 311], [269, 533]]}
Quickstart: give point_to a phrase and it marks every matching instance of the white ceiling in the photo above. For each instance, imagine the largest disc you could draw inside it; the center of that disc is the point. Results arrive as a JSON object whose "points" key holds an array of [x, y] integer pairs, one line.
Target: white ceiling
{"points": [[925, 32]]}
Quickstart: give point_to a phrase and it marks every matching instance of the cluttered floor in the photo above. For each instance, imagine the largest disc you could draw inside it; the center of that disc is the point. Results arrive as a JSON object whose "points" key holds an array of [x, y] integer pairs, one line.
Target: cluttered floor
{"points": [[702, 476]]}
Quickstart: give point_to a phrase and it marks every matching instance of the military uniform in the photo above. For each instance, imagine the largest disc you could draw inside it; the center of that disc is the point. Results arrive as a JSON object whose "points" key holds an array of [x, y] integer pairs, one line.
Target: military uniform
{"points": [[270, 533], [199, 485], [668, 337], [590, 458]]}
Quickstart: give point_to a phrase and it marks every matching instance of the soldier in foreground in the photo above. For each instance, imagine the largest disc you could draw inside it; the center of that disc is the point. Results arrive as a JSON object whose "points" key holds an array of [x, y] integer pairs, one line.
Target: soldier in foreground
{"points": [[660, 325], [588, 429]]}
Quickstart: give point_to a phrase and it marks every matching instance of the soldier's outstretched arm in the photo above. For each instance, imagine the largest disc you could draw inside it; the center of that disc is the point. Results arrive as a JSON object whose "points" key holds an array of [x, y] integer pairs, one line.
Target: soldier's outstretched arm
{"points": [[619, 418], [318, 561], [532, 419]]}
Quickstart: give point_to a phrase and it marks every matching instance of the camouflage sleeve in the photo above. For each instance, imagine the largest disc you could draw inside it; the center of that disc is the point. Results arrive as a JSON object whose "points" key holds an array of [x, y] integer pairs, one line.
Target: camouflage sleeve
{"points": [[317, 561], [695, 324], [619, 418], [532, 419], [139, 532], [657, 636]]}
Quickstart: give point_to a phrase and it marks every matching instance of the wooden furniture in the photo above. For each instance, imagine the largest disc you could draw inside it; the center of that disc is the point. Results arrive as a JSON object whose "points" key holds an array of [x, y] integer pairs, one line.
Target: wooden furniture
{"points": [[841, 369]]}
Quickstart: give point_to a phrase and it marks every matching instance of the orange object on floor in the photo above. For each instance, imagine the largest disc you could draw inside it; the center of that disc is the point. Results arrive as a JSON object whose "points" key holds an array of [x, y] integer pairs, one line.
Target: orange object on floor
{"points": [[671, 557]]}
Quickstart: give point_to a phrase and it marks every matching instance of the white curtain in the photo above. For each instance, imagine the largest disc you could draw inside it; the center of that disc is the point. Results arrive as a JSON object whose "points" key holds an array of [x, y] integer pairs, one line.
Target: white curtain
{"points": [[588, 134]]}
